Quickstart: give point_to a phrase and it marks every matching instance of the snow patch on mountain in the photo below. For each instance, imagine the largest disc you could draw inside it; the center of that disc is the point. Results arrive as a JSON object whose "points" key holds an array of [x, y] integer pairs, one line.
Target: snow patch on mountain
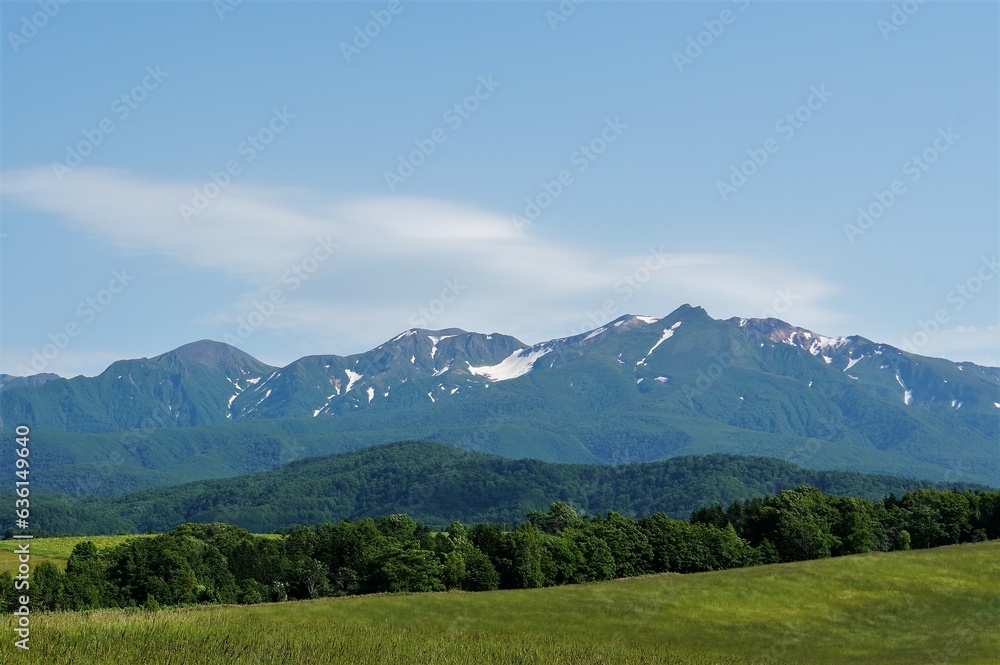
{"points": [[821, 344], [403, 335], [352, 378], [229, 405], [667, 334], [907, 394], [434, 342], [329, 398], [516, 364]]}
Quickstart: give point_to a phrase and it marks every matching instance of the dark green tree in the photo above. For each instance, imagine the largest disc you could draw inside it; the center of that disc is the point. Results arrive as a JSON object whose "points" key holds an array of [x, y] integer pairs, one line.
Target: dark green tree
{"points": [[86, 581], [47, 588], [409, 570], [480, 575]]}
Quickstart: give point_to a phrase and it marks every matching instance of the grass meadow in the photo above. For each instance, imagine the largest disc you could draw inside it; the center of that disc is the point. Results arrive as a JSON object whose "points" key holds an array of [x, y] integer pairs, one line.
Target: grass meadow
{"points": [[940, 605]]}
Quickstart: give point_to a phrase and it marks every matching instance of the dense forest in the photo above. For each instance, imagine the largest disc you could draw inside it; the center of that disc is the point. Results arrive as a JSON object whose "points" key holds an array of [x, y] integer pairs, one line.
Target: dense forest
{"points": [[438, 484], [219, 563]]}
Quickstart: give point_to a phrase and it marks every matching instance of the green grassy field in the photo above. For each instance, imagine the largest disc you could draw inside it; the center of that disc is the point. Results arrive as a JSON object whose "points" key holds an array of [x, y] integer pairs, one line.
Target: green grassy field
{"points": [[940, 605]]}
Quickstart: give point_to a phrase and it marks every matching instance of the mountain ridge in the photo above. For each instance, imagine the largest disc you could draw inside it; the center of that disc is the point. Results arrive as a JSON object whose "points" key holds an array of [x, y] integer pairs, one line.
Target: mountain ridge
{"points": [[635, 389], [191, 349]]}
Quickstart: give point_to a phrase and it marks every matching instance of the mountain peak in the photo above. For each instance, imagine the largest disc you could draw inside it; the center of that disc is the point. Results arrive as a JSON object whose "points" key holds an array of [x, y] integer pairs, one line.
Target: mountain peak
{"points": [[208, 352], [688, 313], [685, 309], [446, 332], [633, 317], [10, 381]]}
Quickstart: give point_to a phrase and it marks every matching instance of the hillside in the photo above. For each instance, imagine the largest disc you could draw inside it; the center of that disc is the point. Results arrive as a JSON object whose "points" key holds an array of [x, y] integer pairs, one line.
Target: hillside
{"points": [[437, 484], [878, 609]]}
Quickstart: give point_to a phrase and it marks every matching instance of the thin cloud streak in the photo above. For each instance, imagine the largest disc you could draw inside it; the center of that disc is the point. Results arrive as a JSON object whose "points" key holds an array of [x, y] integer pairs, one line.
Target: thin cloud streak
{"points": [[393, 256]]}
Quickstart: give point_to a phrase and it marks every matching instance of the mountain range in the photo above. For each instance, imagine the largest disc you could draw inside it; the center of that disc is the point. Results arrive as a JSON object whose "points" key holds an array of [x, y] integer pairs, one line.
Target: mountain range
{"points": [[637, 389]]}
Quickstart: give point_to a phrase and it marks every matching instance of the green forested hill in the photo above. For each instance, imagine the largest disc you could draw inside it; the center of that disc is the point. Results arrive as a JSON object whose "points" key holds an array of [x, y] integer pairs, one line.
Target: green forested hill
{"points": [[437, 483]]}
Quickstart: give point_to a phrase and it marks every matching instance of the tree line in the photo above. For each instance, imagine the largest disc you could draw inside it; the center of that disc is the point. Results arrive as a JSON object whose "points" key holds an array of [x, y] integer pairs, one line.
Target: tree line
{"points": [[219, 563]]}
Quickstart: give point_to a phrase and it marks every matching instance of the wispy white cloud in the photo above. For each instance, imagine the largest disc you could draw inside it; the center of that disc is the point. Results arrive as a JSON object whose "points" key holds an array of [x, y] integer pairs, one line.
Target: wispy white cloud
{"points": [[978, 344], [394, 256]]}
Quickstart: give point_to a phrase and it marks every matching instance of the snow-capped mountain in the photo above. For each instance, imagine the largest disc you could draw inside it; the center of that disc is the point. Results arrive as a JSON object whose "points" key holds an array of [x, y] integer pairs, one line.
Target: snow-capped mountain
{"points": [[412, 368], [916, 380], [637, 388]]}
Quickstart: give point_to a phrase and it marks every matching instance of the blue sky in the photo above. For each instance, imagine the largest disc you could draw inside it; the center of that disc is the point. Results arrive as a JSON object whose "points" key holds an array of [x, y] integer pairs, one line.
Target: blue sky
{"points": [[329, 234]]}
